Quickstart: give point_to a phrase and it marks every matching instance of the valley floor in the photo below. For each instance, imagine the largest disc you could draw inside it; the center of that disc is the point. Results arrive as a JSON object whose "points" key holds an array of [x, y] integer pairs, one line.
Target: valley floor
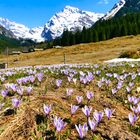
{"points": [[82, 53]]}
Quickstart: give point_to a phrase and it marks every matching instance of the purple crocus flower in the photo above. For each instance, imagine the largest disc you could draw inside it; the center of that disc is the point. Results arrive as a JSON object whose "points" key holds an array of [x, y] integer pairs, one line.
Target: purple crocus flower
{"points": [[92, 124], [69, 79], [69, 91], [58, 82], [19, 81], [107, 82], [120, 84], [135, 100], [128, 89], [130, 99], [132, 118], [15, 102], [138, 108], [79, 99], [29, 90], [74, 109], [98, 116], [74, 80], [13, 87], [134, 109], [131, 84], [133, 76], [39, 76], [84, 81], [47, 109], [108, 112], [114, 90], [87, 110], [82, 130], [20, 91], [4, 93], [89, 95], [32, 78], [97, 72], [100, 84], [59, 124]]}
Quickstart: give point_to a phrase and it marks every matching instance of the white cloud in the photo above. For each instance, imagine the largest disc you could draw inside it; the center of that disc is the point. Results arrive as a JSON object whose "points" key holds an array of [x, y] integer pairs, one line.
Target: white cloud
{"points": [[103, 2]]}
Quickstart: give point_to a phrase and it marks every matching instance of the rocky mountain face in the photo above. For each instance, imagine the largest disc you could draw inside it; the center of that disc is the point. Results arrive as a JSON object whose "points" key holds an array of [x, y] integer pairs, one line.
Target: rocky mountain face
{"points": [[70, 19], [117, 7], [130, 6], [6, 32]]}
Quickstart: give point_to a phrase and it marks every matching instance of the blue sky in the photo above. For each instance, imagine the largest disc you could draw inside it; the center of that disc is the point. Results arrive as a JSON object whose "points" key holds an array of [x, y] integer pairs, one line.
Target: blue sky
{"points": [[34, 13]]}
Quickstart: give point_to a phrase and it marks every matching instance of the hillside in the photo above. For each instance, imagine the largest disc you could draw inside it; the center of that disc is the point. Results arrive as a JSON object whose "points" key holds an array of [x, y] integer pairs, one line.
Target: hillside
{"points": [[82, 53]]}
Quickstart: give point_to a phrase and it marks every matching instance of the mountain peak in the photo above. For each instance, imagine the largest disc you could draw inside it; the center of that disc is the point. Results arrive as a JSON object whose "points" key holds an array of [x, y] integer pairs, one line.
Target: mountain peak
{"points": [[71, 9], [71, 18]]}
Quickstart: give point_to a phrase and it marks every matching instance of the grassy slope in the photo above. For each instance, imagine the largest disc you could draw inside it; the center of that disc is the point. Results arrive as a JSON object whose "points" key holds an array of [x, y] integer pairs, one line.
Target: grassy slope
{"points": [[82, 53]]}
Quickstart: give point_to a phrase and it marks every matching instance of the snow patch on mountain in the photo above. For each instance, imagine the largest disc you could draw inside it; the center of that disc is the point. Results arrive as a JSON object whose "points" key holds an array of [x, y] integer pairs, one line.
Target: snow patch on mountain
{"points": [[71, 19], [114, 10]]}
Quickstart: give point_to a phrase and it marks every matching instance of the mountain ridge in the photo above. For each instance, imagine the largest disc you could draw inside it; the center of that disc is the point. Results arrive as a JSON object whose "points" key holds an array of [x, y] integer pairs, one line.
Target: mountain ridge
{"points": [[70, 18]]}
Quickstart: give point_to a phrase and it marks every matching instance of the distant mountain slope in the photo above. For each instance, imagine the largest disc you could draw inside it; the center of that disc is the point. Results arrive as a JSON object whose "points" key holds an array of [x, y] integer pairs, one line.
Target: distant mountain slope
{"points": [[131, 6], [122, 8], [116, 8], [21, 31], [6, 32], [71, 19]]}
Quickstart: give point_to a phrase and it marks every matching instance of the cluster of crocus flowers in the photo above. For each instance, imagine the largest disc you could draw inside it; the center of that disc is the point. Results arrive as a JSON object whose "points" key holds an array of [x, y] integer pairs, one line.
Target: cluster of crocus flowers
{"points": [[133, 100]]}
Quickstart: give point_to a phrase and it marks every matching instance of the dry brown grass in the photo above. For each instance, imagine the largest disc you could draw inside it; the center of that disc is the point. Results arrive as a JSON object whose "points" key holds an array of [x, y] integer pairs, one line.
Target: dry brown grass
{"points": [[82, 53]]}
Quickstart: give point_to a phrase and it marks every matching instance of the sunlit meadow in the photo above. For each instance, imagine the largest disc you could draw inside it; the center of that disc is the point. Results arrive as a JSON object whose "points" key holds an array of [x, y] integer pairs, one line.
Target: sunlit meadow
{"points": [[70, 102]]}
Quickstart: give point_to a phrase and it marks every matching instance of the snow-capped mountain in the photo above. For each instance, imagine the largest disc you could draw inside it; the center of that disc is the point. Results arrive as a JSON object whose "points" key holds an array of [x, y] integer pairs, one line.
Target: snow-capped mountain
{"points": [[21, 31], [114, 10], [70, 18]]}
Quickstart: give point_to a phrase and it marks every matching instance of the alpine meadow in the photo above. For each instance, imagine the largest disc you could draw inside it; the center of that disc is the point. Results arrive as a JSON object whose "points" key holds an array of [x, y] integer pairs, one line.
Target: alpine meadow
{"points": [[76, 77]]}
